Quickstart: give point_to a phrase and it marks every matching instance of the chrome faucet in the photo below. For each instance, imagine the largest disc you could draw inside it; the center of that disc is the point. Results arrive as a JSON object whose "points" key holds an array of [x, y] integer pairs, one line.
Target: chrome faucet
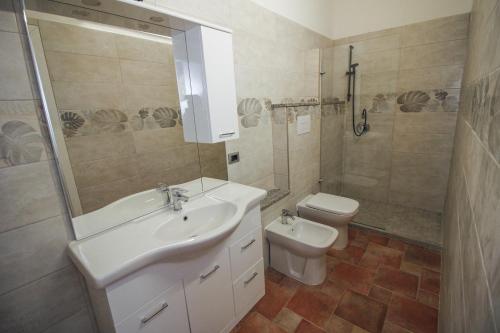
{"points": [[285, 214], [172, 196], [178, 197]]}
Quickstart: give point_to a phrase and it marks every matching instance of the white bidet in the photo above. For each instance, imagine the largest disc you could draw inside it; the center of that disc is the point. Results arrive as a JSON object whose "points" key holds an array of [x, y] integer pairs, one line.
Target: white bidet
{"points": [[298, 248]]}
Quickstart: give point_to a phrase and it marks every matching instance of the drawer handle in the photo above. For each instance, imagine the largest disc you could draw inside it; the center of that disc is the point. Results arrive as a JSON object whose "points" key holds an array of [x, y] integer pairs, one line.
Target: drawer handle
{"points": [[204, 276], [251, 278], [244, 247], [147, 318], [223, 135]]}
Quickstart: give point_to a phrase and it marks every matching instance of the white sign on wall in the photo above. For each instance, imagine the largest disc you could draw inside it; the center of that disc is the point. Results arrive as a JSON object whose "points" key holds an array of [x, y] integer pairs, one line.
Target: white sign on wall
{"points": [[303, 124]]}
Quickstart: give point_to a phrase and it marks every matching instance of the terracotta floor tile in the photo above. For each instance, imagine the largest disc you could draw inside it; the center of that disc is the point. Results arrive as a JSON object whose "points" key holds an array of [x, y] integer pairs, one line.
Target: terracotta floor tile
{"points": [[412, 315], [411, 268], [423, 257], [307, 327], [288, 320], [357, 329], [338, 325], [393, 328], [332, 289], [276, 297], [397, 244], [430, 281], [353, 277], [428, 298], [351, 254], [380, 294], [255, 322], [351, 232], [362, 311], [290, 284], [369, 236], [376, 255], [273, 275], [312, 305], [397, 281]]}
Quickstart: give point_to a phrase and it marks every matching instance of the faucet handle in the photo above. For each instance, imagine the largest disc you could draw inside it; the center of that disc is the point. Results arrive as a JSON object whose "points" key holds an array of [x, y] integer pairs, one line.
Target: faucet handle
{"points": [[178, 190], [286, 212], [162, 187]]}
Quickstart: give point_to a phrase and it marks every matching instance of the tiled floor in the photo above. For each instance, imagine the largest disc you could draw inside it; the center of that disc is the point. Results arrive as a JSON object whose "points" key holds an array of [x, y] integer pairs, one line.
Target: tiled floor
{"points": [[376, 284]]}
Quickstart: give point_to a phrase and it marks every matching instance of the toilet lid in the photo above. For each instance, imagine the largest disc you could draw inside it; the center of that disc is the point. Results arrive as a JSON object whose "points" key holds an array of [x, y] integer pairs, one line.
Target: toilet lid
{"points": [[333, 203]]}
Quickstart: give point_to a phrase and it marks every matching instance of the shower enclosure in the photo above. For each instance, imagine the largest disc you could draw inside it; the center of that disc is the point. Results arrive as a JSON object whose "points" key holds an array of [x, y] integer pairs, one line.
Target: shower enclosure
{"points": [[370, 161]]}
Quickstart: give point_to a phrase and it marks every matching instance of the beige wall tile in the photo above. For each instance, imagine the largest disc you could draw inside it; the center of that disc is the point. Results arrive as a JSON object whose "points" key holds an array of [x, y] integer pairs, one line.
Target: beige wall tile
{"points": [[95, 172], [441, 77], [417, 142], [14, 81], [98, 196], [75, 39], [438, 30], [158, 140], [411, 175], [7, 17], [25, 142], [138, 96], [426, 122], [168, 159], [95, 147], [43, 303], [28, 194], [82, 68], [138, 49], [33, 251], [380, 61], [147, 73], [87, 95], [81, 322], [383, 43], [436, 54]]}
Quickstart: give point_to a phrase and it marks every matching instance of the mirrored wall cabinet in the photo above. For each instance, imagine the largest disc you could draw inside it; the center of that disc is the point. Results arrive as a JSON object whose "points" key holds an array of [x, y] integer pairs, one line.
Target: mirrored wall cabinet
{"points": [[211, 98]]}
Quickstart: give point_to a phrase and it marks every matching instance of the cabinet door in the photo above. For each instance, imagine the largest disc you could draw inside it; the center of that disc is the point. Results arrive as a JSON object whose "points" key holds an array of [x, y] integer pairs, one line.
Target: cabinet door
{"points": [[209, 296], [164, 314]]}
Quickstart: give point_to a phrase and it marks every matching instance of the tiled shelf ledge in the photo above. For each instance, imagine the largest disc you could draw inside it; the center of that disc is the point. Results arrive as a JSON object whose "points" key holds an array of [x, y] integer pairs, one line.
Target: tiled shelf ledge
{"points": [[272, 197], [293, 105]]}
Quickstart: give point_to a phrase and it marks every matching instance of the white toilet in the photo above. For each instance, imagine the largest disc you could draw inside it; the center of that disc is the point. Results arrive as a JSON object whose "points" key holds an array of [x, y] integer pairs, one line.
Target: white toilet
{"points": [[298, 249], [331, 210]]}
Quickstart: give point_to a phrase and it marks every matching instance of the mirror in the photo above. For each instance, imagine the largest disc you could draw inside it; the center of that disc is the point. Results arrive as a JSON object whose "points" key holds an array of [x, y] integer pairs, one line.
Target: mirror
{"points": [[112, 106]]}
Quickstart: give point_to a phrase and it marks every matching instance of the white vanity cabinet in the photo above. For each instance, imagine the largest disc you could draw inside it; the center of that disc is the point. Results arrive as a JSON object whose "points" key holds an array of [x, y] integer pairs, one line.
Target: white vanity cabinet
{"points": [[209, 296], [204, 293]]}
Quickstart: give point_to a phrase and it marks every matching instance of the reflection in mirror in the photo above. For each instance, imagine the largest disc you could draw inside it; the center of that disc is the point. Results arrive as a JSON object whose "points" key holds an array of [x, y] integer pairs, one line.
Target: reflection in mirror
{"points": [[114, 114], [262, 164]]}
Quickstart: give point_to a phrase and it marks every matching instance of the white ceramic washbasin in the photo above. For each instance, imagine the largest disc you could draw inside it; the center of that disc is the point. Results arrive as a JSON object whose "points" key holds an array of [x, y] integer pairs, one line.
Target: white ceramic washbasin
{"points": [[164, 235], [196, 222], [132, 207], [303, 237]]}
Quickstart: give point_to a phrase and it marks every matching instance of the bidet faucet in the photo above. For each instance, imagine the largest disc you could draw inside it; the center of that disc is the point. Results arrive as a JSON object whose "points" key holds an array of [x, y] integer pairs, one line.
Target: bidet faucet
{"points": [[172, 196], [285, 214]]}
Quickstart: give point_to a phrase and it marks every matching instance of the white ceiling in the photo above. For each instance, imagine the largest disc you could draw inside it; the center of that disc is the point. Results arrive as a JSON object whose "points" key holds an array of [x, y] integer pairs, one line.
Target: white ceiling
{"points": [[342, 18]]}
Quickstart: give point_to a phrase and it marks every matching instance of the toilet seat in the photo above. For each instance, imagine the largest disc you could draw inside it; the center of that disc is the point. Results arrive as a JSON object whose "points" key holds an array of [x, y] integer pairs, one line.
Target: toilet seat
{"points": [[333, 204]]}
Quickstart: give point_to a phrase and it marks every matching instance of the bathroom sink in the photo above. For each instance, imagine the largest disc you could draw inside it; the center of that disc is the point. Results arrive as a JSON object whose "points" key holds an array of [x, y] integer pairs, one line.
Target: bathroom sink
{"points": [[164, 235], [196, 222]]}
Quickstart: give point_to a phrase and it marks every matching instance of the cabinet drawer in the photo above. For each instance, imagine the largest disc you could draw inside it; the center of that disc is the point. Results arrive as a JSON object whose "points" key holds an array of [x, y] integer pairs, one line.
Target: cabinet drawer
{"points": [[249, 288], [165, 313], [209, 296], [245, 252]]}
